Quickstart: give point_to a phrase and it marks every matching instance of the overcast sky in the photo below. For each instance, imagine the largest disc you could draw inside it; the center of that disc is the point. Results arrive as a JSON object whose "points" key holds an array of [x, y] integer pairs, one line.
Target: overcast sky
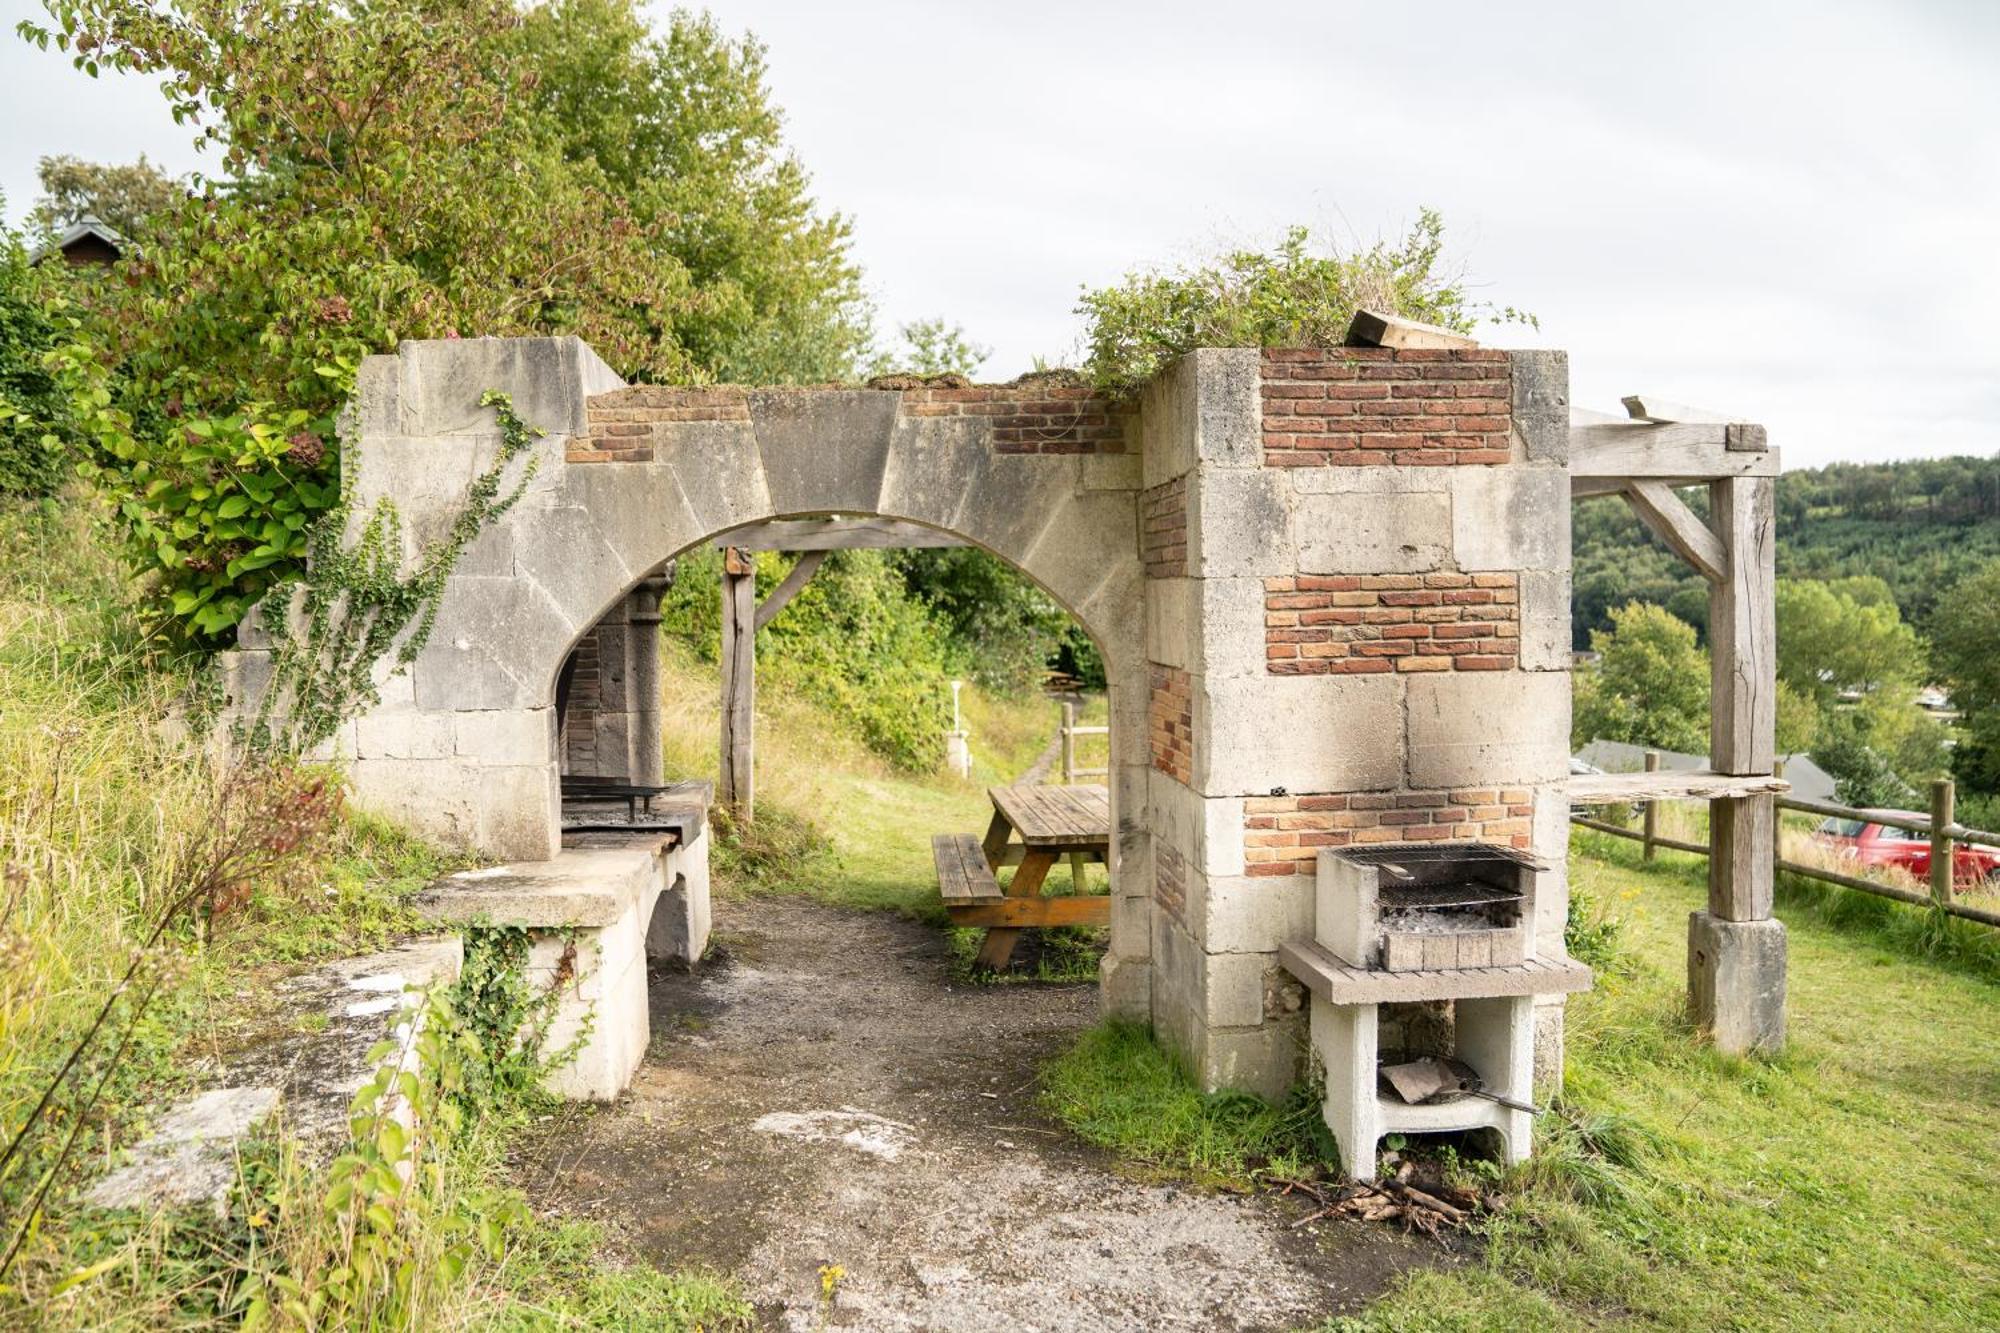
{"points": [[1786, 211]]}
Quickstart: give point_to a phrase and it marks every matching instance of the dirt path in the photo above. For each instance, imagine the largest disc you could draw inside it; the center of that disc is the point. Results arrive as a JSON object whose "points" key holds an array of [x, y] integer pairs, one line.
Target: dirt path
{"points": [[825, 1095]]}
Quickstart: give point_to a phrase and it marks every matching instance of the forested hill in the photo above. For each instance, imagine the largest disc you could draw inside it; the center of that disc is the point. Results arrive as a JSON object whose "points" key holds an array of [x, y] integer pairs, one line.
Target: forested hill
{"points": [[1919, 525]]}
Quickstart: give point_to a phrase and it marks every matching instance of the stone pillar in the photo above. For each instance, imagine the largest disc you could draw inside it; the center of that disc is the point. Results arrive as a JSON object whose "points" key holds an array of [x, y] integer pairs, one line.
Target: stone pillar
{"points": [[1358, 630], [643, 676]]}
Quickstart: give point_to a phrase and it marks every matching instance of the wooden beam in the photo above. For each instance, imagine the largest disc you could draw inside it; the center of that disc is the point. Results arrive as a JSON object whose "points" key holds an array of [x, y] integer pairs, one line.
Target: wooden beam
{"points": [[737, 788], [1372, 328], [1683, 454], [796, 578], [1662, 785], [1679, 527], [835, 534]]}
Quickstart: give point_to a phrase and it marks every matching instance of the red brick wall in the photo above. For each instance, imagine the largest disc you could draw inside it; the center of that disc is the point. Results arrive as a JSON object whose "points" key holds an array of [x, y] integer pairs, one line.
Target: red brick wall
{"points": [[579, 719], [1163, 524], [1282, 835], [1354, 406], [1031, 418], [1352, 624], [1171, 717]]}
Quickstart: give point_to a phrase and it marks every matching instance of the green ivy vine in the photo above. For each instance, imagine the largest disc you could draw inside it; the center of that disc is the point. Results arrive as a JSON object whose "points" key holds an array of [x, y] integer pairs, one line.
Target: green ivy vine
{"points": [[506, 1016], [355, 606]]}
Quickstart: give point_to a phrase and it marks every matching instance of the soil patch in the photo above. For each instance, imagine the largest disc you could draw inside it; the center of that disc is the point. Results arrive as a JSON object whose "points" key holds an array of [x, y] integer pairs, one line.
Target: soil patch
{"points": [[823, 1094]]}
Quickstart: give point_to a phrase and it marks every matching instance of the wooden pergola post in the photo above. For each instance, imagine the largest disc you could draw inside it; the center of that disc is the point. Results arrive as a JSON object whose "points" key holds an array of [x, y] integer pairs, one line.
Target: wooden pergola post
{"points": [[1736, 948], [739, 683]]}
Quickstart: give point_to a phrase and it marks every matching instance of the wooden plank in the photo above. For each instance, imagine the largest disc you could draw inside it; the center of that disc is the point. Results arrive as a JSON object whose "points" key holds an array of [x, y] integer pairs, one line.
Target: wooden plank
{"points": [[795, 578], [1693, 785], [1678, 526], [737, 787], [836, 534], [1069, 818], [1015, 914], [1334, 981], [963, 876], [1743, 841], [1372, 328], [1685, 453]]}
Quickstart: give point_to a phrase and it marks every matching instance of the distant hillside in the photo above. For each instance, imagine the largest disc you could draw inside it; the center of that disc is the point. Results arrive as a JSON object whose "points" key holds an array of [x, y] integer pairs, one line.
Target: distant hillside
{"points": [[1919, 525]]}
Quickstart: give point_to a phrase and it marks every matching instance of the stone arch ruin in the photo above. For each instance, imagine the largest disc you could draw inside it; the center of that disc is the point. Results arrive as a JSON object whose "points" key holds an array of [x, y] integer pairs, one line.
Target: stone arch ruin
{"points": [[1331, 588]]}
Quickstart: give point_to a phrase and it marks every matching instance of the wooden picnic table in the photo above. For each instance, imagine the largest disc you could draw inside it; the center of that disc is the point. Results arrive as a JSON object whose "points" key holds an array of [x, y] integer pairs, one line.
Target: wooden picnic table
{"points": [[1033, 827]]}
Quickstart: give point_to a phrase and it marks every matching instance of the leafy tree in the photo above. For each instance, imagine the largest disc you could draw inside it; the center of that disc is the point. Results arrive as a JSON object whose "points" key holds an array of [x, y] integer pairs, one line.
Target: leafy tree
{"points": [[1798, 722], [1862, 774], [1965, 645], [933, 347], [1843, 635], [1650, 685], [121, 197], [1008, 630], [683, 128], [1287, 297], [34, 412], [395, 169]]}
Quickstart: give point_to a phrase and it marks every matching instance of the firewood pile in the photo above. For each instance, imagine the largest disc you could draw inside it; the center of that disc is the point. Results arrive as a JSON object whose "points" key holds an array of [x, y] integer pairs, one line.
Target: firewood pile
{"points": [[1419, 1200]]}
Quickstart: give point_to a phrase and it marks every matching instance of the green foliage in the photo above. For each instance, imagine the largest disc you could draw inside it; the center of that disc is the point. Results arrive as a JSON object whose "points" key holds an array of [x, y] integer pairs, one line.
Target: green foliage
{"points": [[1286, 297], [778, 847], [35, 424], [1966, 646], [423, 183], [1843, 635], [355, 606], [1650, 686], [1117, 1088], [556, 1272], [503, 1016], [1007, 631], [854, 641], [121, 197], [933, 347]]}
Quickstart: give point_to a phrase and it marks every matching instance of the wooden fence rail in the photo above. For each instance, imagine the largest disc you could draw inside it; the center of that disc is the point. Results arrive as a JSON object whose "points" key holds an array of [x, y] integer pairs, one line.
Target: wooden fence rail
{"points": [[1070, 731], [1944, 831]]}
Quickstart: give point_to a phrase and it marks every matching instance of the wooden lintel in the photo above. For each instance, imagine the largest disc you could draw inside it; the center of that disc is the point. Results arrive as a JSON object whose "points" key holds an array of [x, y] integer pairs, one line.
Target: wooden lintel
{"points": [[1676, 452], [795, 578], [1645, 407], [1679, 527], [1372, 328], [836, 534]]}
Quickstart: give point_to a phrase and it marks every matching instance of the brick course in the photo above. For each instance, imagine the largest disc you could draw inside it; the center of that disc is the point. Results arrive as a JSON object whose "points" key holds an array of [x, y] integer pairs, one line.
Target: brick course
{"points": [[1163, 523], [1170, 879], [1031, 418], [1282, 835], [1170, 714], [1382, 406], [1355, 624]]}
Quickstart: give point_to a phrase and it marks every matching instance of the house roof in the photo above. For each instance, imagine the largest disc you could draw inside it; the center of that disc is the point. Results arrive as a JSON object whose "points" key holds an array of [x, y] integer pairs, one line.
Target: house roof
{"points": [[87, 227]]}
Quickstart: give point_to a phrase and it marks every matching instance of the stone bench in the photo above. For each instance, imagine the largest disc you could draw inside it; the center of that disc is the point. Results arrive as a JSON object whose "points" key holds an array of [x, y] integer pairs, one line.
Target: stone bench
{"points": [[595, 913]]}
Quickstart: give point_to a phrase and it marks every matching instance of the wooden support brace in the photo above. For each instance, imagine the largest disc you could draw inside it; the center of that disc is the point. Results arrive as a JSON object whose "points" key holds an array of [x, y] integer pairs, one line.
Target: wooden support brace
{"points": [[1678, 526], [795, 579]]}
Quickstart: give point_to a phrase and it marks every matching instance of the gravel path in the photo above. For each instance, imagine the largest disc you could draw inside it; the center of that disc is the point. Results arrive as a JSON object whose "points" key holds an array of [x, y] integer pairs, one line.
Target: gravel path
{"points": [[824, 1094]]}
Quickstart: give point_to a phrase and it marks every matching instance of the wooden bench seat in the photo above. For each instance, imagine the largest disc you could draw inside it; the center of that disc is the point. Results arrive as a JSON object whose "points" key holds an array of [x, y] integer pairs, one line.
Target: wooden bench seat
{"points": [[973, 897]]}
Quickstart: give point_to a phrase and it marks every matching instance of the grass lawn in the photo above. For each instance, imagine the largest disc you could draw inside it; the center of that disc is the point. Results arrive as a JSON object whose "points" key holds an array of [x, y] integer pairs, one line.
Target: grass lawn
{"points": [[1853, 1182]]}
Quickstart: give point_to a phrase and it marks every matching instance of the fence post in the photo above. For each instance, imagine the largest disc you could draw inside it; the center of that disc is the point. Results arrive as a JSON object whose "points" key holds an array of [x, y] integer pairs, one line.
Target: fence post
{"points": [[1651, 814], [1944, 802], [1069, 744]]}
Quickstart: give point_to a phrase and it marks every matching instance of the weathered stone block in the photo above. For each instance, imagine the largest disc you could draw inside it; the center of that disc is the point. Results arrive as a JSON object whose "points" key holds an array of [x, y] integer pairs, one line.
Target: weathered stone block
{"points": [[550, 380], [716, 465], [491, 638], [513, 736], [410, 735], [824, 450], [1125, 988], [1510, 517], [1248, 914], [1736, 982], [1170, 620], [1477, 728], [1541, 404], [1240, 522], [1229, 407], [1545, 620], [1111, 472], [1303, 733], [1228, 635], [520, 812], [1373, 534], [433, 797]]}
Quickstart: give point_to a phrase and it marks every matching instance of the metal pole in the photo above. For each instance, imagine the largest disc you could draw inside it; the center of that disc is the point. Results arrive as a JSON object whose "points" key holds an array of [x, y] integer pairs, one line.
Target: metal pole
{"points": [[1651, 814], [1944, 802]]}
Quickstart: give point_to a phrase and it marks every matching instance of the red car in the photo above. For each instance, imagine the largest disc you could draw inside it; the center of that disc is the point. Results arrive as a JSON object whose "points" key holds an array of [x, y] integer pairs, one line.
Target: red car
{"points": [[1874, 844]]}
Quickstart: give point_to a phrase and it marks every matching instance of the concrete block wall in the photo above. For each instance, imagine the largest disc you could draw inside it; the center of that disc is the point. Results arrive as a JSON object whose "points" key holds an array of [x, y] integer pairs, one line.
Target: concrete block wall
{"points": [[1357, 631]]}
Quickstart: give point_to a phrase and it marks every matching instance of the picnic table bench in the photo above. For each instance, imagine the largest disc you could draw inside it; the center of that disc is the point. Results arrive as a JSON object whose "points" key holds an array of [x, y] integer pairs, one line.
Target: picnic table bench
{"points": [[1032, 828]]}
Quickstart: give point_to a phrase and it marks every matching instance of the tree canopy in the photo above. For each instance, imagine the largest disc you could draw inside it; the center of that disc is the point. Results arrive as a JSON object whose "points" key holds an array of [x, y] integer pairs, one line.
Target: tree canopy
{"points": [[398, 169], [121, 197]]}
